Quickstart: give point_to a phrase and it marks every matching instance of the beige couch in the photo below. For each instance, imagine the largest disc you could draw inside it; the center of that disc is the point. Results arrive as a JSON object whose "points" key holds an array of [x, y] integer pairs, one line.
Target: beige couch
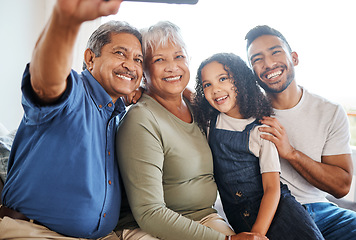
{"points": [[6, 139]]}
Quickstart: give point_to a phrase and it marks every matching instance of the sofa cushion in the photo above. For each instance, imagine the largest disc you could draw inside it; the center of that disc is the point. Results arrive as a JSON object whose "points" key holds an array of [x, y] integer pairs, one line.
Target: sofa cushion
{"points": [[3, 130], [5, 147]]}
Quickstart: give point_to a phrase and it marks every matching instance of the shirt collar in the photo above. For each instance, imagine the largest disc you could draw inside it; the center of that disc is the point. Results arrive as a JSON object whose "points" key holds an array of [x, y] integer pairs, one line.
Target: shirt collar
{"points": [[100, 97]]}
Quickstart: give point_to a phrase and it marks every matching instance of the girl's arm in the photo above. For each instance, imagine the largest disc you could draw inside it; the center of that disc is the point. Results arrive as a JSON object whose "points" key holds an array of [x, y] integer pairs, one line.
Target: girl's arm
{"points": [[269, 202]]}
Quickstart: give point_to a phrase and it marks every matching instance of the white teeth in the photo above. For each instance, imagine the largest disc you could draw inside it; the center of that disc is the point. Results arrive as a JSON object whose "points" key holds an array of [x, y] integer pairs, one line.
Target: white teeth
{"points": [[220, 98], [275, 74], [172, 79], [124, 77]]}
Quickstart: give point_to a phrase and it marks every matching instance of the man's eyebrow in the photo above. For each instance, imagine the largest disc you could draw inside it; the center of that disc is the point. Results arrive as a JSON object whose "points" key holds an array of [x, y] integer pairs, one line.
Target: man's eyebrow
{"points": [[270, 49], [126, 50], [254, 55], [120, 47], [274, 47]]}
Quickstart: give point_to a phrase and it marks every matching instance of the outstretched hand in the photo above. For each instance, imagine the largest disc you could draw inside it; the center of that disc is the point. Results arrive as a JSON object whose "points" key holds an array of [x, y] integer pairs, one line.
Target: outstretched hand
{"points": [[79, 11], [277, 135], [53, 54]]}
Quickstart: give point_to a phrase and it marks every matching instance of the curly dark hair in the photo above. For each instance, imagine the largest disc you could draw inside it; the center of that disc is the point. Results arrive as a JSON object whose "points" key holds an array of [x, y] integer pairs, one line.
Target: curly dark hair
{"points": [[250, 98]]}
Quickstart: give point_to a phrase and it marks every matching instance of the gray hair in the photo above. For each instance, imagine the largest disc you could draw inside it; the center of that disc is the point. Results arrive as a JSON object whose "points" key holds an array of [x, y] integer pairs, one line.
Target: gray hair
{"points": [[161, 34], [102, 36]]}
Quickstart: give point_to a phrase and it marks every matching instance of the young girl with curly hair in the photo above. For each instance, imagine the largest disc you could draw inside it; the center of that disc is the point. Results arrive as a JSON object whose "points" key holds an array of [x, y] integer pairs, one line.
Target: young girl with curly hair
{"points": [[228, 106]]}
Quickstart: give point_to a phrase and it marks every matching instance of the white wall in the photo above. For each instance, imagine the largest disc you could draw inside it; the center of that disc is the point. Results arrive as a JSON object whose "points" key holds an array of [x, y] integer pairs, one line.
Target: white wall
{"points": [[327, 65], [21, 22]]}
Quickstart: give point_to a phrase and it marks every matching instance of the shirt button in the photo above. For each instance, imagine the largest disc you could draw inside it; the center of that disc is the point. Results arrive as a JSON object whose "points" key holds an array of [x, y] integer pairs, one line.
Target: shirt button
{"points": [[109, 182], [100, 106], [104, 215], [109, 153], [239, 194], [110, 104]]}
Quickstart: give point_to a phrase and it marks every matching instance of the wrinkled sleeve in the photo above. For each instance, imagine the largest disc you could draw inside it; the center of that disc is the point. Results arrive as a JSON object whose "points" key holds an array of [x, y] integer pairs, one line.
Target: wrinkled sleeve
{"points": [[141, 158], [338, 139], [266, 151], [36, 113]]}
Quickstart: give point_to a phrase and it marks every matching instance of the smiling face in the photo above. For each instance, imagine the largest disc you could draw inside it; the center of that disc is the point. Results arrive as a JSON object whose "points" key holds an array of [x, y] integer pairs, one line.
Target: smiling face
{"points": [[272, 63], [167, 71], [119, 67], [219, 89]]}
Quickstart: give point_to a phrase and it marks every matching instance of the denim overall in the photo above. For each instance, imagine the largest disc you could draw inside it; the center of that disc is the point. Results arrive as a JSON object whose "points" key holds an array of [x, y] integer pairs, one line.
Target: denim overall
{"points": [[239, 181]]}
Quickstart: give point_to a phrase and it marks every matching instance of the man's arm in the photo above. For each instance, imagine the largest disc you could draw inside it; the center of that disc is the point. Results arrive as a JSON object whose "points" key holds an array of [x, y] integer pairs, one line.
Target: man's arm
{"points": [[52, 57], [332, 175], [134, 96]]}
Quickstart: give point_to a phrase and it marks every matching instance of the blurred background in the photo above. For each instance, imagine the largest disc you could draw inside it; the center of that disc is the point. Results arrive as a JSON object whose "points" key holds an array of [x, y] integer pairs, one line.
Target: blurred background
{"points": [[322, 32]]}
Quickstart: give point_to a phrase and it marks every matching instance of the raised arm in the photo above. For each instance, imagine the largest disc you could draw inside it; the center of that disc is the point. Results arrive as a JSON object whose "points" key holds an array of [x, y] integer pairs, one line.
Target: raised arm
{"points": [[52, 57], [333, 174]]}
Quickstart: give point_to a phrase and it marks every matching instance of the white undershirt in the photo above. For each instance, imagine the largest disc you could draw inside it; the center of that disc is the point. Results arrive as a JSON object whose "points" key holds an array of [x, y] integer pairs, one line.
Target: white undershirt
{"points": [[263, 149]]}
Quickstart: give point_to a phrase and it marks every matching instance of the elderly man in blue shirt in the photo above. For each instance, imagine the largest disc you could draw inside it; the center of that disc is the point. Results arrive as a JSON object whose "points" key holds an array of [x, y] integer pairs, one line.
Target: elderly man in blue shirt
{"points": [[63, 178]]}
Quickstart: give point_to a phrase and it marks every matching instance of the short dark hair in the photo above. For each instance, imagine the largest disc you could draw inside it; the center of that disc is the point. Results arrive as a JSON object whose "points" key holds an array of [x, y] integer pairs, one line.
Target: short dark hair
{"points": [[102, 36], [264, 30]]}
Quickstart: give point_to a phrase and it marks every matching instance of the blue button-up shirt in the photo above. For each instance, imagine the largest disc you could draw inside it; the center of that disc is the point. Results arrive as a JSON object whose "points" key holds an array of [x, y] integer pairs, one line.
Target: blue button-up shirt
{"points": [[62, 169]]}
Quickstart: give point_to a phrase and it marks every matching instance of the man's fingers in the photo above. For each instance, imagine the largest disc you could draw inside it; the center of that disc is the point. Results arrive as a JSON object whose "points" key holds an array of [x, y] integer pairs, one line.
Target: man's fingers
{"points": [[269, 121], [126, 101], [271, 130], [273, 123], [270, 138], [110, 7], [266, 129]]}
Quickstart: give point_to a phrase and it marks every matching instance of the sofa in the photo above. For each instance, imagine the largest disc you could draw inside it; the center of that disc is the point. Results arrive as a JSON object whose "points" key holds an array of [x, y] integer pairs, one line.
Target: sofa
{"points": [[7, 137]]}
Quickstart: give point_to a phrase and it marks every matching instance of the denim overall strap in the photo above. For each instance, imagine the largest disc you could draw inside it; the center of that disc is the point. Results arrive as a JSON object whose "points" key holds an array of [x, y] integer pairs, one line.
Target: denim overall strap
{"points": [[237, 174], [239, 181]]}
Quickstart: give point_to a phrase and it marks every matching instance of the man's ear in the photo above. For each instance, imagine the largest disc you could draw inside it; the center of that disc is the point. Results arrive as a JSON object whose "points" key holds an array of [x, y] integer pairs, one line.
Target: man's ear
{"points": [[295, 58], [89, 57]]}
